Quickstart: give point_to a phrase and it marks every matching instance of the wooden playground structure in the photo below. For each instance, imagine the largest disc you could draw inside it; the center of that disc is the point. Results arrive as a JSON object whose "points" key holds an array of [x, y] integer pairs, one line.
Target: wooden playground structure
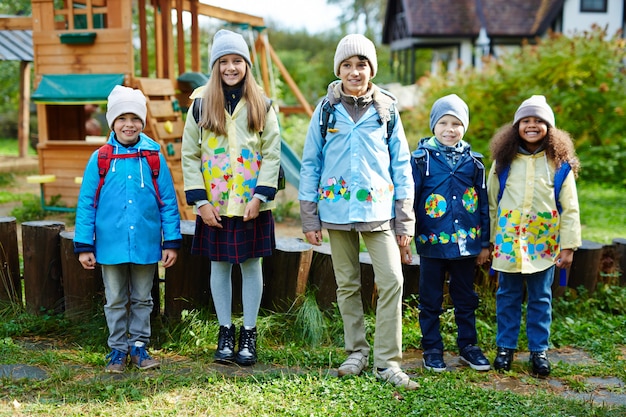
{"points": [[83, 48]]}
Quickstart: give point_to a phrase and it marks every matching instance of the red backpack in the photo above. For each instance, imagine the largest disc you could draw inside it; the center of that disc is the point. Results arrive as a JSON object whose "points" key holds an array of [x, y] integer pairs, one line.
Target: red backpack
{"points": [[105, 154]]}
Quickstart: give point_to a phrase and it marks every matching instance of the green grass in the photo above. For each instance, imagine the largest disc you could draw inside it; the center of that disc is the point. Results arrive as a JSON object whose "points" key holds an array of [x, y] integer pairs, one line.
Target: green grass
{"points": [[602, 212], [9, 147], [295, 375]]}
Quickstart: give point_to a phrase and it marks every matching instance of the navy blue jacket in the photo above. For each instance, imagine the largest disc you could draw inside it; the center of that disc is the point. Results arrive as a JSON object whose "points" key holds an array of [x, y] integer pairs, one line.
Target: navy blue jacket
{"points": [[451, 206]]}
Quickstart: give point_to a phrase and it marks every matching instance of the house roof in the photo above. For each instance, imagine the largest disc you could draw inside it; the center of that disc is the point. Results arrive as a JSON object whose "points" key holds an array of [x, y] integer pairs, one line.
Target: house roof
{"points": [[462, 18], [16, 45]]}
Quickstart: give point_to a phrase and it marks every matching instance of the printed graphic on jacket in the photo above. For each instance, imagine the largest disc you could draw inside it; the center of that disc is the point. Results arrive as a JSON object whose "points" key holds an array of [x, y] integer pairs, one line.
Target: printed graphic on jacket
{"points": [[520, 240], [436, 206], [335, 190], [218, 174]]}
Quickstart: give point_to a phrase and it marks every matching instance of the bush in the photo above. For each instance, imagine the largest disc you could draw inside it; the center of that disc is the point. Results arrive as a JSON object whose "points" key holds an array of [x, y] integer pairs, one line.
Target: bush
{"points": [[583, 78]]}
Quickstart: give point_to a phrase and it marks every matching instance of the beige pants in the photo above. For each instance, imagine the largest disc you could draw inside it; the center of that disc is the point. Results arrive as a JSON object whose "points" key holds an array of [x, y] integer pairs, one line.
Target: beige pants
{"points": [[385, 255]]}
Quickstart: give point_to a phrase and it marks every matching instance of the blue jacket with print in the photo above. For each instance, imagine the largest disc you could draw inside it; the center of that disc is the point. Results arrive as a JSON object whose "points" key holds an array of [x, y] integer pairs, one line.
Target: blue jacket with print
{"points": [[356, 173], [451, 206]]}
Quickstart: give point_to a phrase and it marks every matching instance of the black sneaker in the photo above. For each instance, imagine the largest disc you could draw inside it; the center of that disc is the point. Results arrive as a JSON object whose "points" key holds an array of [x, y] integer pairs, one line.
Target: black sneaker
{"points": [[225, 352], [504, 359], [540, 363], [473, 356], [433, 360], [246, 356]]}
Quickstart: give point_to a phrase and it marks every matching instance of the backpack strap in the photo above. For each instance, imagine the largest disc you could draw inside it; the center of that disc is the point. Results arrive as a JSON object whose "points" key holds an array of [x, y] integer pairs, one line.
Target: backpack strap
{"points": [[105, 154], [104, 162], [559, 178], [154, 161], [502, 176], [328, 118]]}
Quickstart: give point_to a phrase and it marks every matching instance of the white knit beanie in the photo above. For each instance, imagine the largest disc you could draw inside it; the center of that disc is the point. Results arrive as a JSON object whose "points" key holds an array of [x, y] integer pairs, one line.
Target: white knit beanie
{"points": [[226, 42], [124, 100], [359, 45], [452, 105], [536, 106]]}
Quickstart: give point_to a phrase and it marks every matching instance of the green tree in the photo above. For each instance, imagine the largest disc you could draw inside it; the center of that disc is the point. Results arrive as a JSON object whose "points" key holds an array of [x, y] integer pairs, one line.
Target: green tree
{"points": [[371, 12]]}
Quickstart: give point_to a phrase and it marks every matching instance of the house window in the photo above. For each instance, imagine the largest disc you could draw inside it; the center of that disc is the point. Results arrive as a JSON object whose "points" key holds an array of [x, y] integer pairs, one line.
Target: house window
{"points": [[595, 6]]}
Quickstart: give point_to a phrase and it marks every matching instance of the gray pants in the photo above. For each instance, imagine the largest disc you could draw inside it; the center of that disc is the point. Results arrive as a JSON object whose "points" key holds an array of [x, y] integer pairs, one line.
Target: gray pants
{"points": [[128, 292]]}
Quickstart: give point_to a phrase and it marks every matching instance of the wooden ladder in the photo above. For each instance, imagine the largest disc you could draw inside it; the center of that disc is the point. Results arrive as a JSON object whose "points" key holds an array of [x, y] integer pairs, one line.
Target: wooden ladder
{"points": [[164, 124]]}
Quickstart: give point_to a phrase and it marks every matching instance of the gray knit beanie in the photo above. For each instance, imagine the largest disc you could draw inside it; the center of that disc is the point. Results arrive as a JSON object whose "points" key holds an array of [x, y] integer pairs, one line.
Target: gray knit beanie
{"points": [[124, 100], [536, 106], [359, 45], [226, 42], [452, 105]]}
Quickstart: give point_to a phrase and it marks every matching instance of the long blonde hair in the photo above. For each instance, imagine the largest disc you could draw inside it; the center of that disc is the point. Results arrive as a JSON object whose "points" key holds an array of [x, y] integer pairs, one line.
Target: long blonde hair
{"points": [[213, 116]]}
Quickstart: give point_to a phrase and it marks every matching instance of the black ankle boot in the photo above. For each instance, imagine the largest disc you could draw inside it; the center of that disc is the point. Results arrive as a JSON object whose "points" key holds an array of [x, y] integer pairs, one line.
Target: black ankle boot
{"points": [[504, 359], [246, 355], [540, 363], [225, 352]]}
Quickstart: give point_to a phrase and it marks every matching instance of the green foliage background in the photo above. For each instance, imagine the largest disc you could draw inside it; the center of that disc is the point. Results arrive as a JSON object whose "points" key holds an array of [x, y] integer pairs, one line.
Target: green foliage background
{"points": [[583, 78]]}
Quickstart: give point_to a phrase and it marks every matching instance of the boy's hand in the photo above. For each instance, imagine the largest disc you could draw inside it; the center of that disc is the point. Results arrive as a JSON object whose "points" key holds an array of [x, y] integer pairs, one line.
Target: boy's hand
{"points": [[483, 256], [406, 255], [404, 240], [314, 237], [169, 257], [87, 260]]}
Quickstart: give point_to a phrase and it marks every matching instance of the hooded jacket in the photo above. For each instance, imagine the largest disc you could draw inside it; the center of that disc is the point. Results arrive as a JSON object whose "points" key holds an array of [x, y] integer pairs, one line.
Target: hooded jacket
{"points": [[128, 225], [451, 206], [356, 178]]}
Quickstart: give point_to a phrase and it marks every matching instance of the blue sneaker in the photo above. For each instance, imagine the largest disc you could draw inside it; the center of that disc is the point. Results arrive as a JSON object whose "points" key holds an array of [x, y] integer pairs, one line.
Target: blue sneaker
{"points": [[473, 356], [433, 360], [141, 359], [117, 362]]}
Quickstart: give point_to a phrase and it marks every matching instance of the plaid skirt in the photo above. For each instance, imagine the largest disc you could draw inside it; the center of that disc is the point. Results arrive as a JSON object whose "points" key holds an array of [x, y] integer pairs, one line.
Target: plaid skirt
{"points": [[237, 241]]}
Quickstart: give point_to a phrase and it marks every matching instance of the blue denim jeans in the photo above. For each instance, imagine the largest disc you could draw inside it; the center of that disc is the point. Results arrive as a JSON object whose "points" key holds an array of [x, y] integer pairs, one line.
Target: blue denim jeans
{"points": [[126, 283], [509, 298], [464, 299]]}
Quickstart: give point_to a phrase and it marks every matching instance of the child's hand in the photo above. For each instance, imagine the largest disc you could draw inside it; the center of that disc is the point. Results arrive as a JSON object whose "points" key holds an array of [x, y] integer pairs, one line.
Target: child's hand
{"points": [[87, 260], [169, 257], [403, 240], [314, 237], [210, 215], [406, 255], [252, 210], [565, 259], [483, 256]]}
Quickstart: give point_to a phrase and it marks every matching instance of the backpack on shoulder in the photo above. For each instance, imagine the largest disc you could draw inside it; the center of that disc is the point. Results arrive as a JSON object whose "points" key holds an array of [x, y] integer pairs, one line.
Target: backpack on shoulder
{"points": [[559, 177], [105, 154]]}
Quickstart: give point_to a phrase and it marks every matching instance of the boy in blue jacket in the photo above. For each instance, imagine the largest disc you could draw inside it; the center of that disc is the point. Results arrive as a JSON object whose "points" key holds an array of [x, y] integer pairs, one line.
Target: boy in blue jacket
{"points": [[451, 231], [127, 224]]}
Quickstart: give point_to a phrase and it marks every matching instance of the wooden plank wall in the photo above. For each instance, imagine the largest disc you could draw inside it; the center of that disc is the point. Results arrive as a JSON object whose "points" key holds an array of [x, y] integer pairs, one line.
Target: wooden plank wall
{"points": [[66, 160]]}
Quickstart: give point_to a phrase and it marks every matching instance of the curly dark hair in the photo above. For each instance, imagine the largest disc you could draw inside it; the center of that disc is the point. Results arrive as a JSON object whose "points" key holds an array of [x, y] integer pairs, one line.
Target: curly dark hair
{"points": [[559, 147]]}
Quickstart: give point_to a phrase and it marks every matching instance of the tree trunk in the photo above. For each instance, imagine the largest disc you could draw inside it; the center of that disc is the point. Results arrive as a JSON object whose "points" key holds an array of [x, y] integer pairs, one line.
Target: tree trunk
{"points": [[11, 282]]}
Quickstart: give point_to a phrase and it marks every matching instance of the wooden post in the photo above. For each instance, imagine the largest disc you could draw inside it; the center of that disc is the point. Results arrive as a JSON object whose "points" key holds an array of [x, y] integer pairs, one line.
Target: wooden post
{"points": [[286, 273], [620, 251], [42, 265], [187, 281], [322, 277], [11, 282], [586, 266], [82, 288]]}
